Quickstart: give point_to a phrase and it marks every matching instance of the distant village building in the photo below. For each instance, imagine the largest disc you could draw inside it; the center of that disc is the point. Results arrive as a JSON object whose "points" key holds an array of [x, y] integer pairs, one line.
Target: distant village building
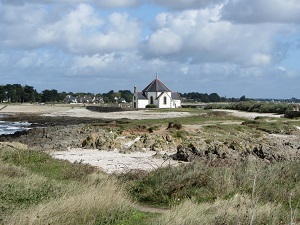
{"points": [[69, 99], [156, 93]]}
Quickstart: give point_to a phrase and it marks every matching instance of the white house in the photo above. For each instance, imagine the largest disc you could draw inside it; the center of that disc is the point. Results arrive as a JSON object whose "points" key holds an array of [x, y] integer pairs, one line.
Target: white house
{"points": [[156, 93]]}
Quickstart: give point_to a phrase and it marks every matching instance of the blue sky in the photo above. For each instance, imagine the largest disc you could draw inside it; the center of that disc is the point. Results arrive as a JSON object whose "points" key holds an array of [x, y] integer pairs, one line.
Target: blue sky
{"points": [[231, 47]]}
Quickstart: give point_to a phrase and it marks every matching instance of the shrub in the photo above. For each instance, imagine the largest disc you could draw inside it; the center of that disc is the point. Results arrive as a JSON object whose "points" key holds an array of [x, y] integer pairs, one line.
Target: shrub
{"points": [[174, 125], [253, 106], [151, 106]]}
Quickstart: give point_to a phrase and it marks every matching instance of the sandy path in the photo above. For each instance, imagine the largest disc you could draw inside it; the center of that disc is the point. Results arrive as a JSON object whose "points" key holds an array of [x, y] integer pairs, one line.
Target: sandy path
{"points": [[140, 114], [114, 161]]}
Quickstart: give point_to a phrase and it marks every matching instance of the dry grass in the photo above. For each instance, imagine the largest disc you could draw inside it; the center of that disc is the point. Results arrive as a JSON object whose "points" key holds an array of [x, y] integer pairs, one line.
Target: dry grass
{"points": [[34, 189], [100, 203], [234, 211]]}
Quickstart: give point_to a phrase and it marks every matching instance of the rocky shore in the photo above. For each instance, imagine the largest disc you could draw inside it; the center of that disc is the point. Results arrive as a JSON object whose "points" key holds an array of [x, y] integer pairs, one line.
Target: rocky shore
{"points": [[62, 133], [182, 143]]}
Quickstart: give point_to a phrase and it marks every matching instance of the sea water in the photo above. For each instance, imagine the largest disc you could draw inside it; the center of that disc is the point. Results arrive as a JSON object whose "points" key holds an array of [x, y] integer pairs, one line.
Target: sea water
{"points": [[7, 127]]}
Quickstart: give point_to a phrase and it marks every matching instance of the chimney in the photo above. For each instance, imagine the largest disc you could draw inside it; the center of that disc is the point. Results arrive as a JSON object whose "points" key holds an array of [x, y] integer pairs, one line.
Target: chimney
{"points": [[134, 89]]}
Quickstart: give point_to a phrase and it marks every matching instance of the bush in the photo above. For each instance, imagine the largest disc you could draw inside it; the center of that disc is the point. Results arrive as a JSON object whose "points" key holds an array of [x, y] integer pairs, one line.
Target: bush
{"points": [[176, 125], [253, 106], [151, 106], [292, 114]]}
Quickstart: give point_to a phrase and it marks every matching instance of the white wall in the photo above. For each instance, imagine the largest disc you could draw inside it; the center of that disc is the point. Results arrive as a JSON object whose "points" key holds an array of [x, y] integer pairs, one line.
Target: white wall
{"points": [[141, 103], [176, 103], [161, 100]]}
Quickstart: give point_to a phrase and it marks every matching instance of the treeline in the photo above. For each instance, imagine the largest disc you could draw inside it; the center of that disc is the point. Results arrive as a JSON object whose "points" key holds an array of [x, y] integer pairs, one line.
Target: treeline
{"points": [[254, 106], [16, 93], [213, 97]]}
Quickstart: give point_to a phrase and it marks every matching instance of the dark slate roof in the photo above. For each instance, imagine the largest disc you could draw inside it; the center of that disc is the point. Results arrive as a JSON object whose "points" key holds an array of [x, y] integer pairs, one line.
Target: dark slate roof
{"points": [[175, 95], [141, 95], [156, 86]]}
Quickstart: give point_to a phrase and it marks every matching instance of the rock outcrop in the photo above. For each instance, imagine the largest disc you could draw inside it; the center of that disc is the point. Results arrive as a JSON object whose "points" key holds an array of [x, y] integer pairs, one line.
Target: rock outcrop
{"points": [[188, 145]]}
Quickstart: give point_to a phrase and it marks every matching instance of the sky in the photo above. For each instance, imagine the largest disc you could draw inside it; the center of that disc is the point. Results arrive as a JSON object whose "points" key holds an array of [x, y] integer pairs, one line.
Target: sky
{"points": [[229, 47]]}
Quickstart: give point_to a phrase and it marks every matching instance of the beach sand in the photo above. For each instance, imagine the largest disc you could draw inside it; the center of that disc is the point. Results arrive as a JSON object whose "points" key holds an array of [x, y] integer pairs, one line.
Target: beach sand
{"points": [[114, 161], [81, 111]]}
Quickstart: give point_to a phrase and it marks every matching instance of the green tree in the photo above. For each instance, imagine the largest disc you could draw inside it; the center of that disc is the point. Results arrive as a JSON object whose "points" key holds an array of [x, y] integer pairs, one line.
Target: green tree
{"points": [[127, 95], [2, 94], [243, 98], [29, 94], [50, 95], [214, 97]]}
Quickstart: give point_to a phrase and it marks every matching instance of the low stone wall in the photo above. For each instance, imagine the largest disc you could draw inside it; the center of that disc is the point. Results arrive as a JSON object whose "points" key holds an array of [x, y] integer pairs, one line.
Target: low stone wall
{"points": [[105, 109], [292, 114]]}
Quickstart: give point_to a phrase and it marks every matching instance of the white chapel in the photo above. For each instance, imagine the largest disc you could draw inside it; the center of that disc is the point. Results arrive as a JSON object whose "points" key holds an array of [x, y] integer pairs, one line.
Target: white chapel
{"points": [[156, 93]]}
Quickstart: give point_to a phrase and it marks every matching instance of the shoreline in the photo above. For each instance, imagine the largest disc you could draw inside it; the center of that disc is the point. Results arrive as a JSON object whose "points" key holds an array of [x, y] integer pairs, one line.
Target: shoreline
{"points": [[75, 111], [77, 134]]}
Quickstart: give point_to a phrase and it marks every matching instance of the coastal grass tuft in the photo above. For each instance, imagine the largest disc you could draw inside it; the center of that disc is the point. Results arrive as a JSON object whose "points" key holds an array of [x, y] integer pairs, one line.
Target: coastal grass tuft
{"points": [[42, 163], [240, 209], [104, 203], [37, 189], [271, 127], [207, 182]]}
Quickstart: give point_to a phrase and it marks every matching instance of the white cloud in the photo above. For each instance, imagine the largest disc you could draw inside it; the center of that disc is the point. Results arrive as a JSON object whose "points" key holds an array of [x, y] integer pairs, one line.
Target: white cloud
{"points": [[261, 11], [118, 3], [100, 3], [199, 36], [259, 59], [96, 62], [187, 4], [281, 68], [80, 31], [171, 4], [164, 42]]}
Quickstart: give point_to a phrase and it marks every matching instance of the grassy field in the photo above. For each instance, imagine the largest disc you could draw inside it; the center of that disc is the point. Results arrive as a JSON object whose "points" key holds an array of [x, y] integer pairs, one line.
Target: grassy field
{"points": [[37, 189]]}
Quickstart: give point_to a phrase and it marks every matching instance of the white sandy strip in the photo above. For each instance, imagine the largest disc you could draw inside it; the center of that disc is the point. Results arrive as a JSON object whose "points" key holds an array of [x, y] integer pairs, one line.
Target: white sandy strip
{"points": [[81, 111], [248, 115], [33, 108], [140, 114], [114, 161]]}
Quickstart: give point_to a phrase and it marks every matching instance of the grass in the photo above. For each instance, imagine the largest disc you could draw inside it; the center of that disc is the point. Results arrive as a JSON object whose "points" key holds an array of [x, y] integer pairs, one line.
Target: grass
{"points": [[232, 211], [198, 117], [101, 204], [205, 183], [271, 127], [36, 189], [42, 163]]}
